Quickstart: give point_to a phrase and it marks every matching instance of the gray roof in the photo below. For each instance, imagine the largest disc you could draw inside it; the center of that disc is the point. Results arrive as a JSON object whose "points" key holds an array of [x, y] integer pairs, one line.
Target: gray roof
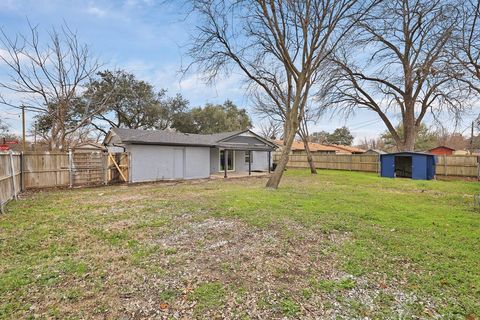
{"points": [[163, 137], [376, 151]]}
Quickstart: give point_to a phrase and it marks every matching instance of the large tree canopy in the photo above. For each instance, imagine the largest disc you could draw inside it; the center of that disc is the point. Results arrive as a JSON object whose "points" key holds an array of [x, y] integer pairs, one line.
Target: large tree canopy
{"points": [[212, 118], [340, 136], [426, 139], [131, 103]]}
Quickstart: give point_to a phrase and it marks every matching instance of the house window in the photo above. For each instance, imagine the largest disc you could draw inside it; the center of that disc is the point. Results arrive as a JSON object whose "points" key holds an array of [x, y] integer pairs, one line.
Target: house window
{"points": [[248, 157], [230, 160]]}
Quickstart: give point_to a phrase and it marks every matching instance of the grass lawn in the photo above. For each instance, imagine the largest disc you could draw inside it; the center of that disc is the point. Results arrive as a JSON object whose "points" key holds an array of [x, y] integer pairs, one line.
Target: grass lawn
{"points": [[339, 244]]}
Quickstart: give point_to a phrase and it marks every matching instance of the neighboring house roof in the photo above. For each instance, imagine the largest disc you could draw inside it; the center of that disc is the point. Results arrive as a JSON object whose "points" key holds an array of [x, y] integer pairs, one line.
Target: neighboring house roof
{"points": [[442, 147], [314, 147], [89, 146], [375, 151], [348, 148], [163, 137]]}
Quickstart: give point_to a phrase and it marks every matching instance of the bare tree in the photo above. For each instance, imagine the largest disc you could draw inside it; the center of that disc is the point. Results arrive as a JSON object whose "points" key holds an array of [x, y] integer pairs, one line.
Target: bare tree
{"points": [[48, 74], [304, 135], [271, 129], [279, 46], [466, 50], [397, 65]]}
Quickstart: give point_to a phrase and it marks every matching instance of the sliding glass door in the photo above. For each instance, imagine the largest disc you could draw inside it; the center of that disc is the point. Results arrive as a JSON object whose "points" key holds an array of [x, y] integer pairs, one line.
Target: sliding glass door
{"points": [[230, 160]]}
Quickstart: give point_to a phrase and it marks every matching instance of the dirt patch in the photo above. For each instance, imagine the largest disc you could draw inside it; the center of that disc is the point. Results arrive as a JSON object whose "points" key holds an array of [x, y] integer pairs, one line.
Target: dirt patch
{"points": [[258, 269]]}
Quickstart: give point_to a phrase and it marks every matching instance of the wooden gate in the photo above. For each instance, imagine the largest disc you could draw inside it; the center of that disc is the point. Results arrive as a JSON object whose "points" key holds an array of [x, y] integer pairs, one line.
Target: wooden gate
{"points": [[87, 168], [118, 167]]}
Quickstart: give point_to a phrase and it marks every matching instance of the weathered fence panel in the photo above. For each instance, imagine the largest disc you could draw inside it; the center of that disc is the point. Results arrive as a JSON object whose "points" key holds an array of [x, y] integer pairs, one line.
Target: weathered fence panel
{"points": [[454, 166], [46, 169], [59, 169], [88, 168], [10, 177], [459, 166], [351, 162]]}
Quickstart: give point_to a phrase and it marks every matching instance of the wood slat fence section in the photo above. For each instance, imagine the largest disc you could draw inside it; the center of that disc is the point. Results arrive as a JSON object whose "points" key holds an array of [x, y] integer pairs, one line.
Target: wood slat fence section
{"points": [[58, 169], [355, 162], [47, 169], [452, 166], [458, 166], [10, 182]]}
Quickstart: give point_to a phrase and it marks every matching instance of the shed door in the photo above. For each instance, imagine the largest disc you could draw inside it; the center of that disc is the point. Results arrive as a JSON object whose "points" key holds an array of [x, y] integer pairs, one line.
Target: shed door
{"points": [[387, 166], [419, 167], [178, 163]]}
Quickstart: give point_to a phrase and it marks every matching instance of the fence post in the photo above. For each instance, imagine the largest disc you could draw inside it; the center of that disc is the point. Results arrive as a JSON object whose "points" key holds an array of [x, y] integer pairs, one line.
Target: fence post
{"points": [[445, 164], [70, 168], [379, 165], [478, 168], [22, 176], [14, 180], [129, 159], [105, 168]]}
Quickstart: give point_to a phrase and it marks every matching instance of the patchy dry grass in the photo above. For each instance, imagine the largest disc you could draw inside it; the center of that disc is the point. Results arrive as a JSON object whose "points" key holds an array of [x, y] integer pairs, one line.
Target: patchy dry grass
{"points": [[339, 244]]}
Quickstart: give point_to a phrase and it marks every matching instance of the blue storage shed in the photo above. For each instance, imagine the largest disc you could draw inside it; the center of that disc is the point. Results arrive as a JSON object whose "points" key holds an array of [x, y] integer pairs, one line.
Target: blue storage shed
{"points": [[414, 165]]}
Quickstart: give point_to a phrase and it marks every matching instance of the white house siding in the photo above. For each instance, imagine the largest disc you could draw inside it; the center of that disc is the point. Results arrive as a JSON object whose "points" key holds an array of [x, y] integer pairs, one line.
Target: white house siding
{"points": [[114, 149], [198, 162], [259, 163], [260, 160], [154, 162], [214, 162]]}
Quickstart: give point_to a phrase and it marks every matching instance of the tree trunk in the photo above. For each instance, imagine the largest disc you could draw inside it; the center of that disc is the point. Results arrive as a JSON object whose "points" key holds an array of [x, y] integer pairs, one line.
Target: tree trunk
{"points": [[290, 131], [313, 169], [409, 129]]}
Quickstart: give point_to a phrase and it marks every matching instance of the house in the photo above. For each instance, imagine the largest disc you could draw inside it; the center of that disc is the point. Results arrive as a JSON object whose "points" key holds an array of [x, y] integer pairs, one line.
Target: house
{"points": [[414, 165], [442, 150], [298, 147], [166, 155], [374, 152]]}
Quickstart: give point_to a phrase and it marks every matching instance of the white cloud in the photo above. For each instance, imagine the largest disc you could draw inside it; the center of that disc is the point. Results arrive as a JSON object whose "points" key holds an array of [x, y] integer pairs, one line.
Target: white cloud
{"points": [[96, 11]]}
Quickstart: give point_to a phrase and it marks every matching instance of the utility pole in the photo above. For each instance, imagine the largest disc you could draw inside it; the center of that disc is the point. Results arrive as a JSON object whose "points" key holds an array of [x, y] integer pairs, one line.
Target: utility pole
{"points": [[23, 130]]}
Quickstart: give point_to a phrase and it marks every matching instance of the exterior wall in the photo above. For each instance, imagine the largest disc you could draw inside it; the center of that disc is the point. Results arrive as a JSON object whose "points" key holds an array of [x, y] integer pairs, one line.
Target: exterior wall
{"points": [[114, 149], [153, 162], [246, 140], [214, 163], [260, 160], [259, 163], [197, 162], [240, 165]]}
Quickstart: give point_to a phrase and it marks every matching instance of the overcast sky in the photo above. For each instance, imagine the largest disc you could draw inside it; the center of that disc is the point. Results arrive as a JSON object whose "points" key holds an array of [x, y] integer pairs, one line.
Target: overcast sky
{"points": [[148, 38]]}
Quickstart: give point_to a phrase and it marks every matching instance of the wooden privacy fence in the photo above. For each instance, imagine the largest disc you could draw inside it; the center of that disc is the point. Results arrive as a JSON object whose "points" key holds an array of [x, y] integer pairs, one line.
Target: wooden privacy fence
{"points": [[351, 162], [59, 169], [451, 166], [10, 177], [458, 166]]}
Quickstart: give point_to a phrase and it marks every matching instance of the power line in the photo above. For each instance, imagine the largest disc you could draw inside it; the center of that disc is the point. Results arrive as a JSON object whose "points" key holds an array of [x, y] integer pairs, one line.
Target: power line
{"points": [[366, 125], [364, 122]]}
